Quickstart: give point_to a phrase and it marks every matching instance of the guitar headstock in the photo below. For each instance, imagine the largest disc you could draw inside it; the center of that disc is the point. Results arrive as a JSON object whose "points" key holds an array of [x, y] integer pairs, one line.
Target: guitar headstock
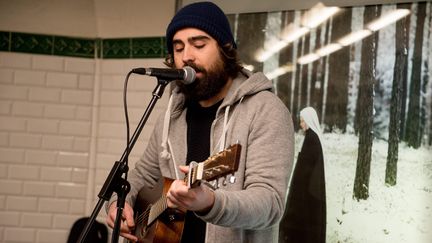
{"points": [[219, 165]]}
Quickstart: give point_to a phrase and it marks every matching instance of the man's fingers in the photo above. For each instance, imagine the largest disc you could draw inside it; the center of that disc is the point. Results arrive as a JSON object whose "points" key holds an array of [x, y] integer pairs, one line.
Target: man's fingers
{"points": [[172, 202], [129, 216], [127, 223], [129, 236]]}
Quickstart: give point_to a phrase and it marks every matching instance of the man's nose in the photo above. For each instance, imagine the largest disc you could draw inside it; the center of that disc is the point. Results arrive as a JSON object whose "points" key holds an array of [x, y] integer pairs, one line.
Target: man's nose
{"points": [[188, 55]]}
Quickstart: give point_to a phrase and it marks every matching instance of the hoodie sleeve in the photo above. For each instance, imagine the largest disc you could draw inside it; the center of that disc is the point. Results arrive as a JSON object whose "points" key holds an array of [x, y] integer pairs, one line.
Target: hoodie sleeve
{"points": [[260, 203]]}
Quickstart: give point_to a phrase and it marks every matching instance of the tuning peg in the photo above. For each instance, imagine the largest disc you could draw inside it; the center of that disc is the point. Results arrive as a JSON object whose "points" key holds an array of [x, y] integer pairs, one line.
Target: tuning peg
{"points": [[214, 184], [210, 185], [232, 179], [224, 182]]}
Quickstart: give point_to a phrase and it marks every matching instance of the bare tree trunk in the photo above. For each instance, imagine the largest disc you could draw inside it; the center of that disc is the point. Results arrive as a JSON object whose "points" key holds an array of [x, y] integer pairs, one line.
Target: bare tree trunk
{"points": [[430, 128], [304, 75], [427, 73], [413, 136], [424, 121], [298, 75], [365, 118], [286, 56], [250, 23], [405, 88], [317, 79], [430, 125], [325, 63], [399, 74], [336, 107]]}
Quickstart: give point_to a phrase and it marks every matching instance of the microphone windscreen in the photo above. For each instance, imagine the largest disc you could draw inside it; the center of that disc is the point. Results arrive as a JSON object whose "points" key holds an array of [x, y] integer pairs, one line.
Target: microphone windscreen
{"points": [[189, 75]]}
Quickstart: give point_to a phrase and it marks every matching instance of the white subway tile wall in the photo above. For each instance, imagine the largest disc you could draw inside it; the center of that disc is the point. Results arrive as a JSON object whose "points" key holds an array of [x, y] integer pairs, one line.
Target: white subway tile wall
{"points": [[62, 127]]}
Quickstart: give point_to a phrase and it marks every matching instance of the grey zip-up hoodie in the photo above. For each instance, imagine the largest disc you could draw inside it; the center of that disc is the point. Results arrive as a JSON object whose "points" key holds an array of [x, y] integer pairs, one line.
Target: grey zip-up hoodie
{"points": [[250, 209]]}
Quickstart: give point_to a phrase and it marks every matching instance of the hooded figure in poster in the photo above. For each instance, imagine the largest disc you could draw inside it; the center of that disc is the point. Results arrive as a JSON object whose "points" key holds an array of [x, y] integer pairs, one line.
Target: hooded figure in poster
{"points": [[305, 215]]}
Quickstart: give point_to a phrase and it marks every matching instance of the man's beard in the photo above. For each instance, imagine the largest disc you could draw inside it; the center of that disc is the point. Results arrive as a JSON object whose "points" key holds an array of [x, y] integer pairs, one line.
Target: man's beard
{"points": [[209, 85]]}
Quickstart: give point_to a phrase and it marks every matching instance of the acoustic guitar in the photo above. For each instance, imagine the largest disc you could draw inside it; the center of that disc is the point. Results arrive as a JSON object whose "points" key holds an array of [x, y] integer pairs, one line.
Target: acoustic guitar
{"points": [[159, 224]]}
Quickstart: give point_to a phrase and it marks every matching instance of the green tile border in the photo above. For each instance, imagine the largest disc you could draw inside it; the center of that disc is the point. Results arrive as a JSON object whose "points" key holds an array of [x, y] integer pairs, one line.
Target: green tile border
{"points": [[66, 46], [5, 41], [110, 48], [148, 47], [116, 48], [28, 43]]}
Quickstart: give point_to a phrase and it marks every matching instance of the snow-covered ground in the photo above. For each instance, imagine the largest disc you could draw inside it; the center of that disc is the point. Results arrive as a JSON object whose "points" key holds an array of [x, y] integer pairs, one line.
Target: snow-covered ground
{"points": [[402, 213]]}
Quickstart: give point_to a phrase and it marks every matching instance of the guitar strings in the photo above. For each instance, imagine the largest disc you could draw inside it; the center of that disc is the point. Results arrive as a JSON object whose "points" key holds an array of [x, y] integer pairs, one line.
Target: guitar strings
{"points": [[140, 219]]}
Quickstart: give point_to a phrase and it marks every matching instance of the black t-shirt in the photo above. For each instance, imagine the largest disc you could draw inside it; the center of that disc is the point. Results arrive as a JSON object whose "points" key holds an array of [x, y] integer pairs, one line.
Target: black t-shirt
{"points": [[199, 120]]}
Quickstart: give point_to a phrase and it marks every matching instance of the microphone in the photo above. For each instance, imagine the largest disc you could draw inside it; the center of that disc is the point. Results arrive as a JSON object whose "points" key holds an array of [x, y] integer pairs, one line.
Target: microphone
{"points": [[186, 75]]}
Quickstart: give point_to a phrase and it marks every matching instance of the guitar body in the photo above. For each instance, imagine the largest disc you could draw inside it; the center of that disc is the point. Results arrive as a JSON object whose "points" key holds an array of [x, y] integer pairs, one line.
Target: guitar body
{"points": [[168, 227]]}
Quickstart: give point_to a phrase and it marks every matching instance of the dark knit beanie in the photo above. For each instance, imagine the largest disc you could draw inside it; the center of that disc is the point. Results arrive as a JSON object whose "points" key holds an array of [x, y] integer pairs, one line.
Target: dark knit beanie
{"points": [[205, 16]]}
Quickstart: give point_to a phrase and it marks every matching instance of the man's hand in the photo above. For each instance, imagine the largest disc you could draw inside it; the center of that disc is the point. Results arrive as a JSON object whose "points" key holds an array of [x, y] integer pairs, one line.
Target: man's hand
{"points": [[127, 223], [199, 199]]}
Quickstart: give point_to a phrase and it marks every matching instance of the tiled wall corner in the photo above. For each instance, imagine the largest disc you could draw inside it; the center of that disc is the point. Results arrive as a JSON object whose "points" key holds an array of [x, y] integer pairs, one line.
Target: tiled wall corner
{"points": [[45, 129]]}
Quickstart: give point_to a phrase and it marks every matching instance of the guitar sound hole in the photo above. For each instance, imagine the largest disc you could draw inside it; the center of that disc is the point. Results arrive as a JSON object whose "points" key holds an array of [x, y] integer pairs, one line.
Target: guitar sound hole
{"points": [[142, 231]]}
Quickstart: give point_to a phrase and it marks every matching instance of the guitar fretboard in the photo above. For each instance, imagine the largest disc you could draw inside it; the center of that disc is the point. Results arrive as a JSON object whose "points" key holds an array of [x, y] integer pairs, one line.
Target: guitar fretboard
{"points": [[157, 209]]}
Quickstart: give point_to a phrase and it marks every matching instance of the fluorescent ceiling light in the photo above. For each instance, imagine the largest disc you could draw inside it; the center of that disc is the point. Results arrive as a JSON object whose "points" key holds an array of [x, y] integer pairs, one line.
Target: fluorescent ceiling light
{"points": [[387, 19], [306, 59], [354, 37], [290, 34], [311, 19], [328, 49], [317, 15], [266, 54], [280, 71]]}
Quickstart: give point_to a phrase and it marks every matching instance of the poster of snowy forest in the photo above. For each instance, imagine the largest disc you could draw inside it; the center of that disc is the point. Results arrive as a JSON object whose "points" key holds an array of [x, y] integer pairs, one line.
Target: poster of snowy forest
{"points": [[373, 95]]}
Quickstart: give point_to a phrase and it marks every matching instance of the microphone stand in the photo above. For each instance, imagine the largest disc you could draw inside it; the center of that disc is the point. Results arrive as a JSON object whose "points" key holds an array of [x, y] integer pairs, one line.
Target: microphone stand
{"points": [[115, 182]]}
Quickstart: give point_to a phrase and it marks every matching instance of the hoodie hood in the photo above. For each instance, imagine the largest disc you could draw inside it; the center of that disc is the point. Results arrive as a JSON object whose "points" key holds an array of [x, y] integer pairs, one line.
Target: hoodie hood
{"points": [[246, 83]]}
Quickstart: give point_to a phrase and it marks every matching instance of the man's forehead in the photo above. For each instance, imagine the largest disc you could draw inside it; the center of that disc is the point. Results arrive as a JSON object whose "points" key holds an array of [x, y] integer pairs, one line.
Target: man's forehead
{"points": [[190, 34]]}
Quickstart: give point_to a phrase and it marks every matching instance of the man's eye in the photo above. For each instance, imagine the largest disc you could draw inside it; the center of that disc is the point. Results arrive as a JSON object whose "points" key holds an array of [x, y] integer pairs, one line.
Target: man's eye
{"points": [[199, 46], [178, 49]]}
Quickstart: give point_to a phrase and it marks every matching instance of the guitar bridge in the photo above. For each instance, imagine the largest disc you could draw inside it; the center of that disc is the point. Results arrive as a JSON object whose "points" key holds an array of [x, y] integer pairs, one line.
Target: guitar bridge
{"points": [[172, 214]]}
